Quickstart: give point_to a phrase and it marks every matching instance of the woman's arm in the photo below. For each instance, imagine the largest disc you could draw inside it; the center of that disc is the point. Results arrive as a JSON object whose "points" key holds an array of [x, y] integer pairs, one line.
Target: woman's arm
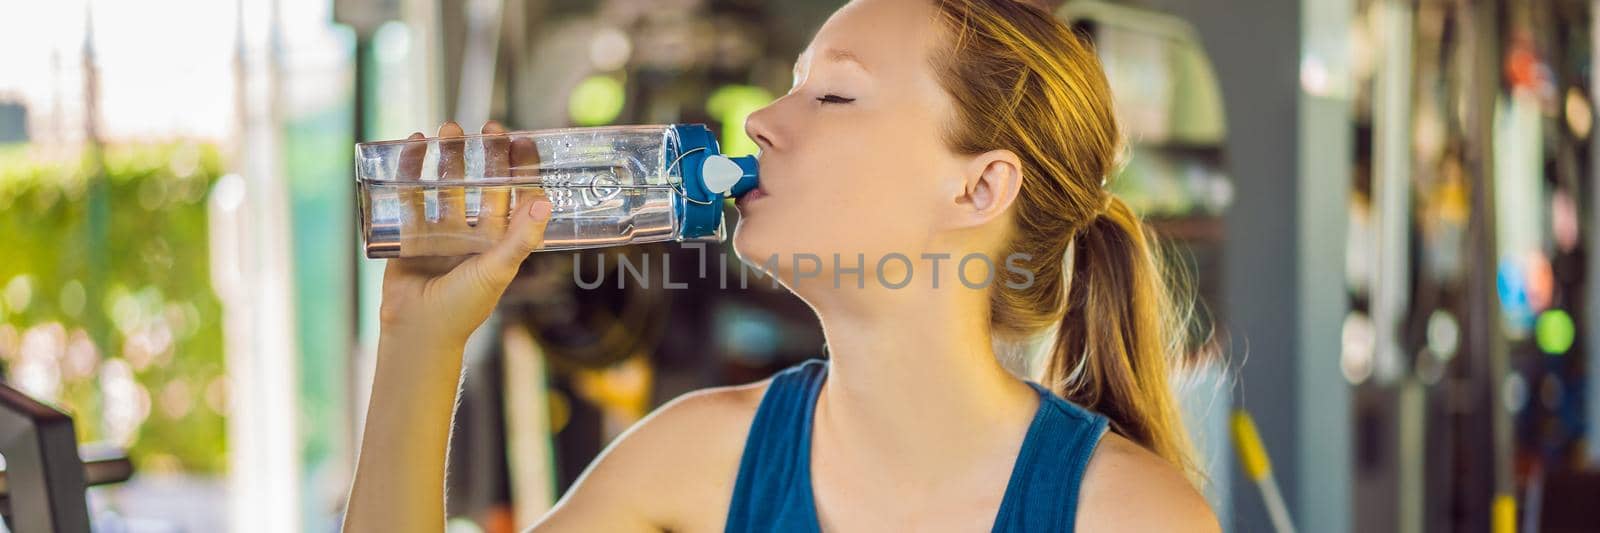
{"points": [[430, 305], [675, 469], [399, 484]]}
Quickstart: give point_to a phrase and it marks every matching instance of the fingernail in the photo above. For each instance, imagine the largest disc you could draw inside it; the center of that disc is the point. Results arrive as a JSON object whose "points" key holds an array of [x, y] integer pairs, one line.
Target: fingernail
{"points": [[540, 209]]}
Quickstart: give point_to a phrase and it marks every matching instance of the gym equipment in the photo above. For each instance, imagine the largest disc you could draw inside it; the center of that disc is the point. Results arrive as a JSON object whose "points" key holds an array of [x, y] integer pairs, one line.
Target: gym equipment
{"points": [[42, 486]]}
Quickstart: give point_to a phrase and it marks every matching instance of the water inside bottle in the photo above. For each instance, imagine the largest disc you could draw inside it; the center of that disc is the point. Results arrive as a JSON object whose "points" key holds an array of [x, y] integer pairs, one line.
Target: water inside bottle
{"points": [[592, 206]]}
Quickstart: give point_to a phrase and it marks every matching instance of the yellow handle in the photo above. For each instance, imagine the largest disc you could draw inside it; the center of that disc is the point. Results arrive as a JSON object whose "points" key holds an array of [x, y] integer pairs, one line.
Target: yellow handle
{"points": [[1251, 452], [1504, 511]]}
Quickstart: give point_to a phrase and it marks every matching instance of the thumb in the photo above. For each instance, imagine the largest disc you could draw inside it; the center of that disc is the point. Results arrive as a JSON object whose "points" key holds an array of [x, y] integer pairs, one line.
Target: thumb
{"points": [[526, 234]]}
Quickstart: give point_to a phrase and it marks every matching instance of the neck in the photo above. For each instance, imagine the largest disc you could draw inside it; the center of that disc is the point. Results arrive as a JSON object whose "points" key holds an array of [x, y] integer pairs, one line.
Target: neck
{"points": [[916, 366]]}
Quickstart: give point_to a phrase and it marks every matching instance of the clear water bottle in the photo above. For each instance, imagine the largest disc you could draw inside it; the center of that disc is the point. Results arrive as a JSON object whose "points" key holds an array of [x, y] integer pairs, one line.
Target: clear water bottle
{"points": [[609, 186]]}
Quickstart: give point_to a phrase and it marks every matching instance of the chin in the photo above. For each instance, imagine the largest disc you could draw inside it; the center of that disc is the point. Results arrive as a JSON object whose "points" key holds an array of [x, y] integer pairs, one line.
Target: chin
{"points": [[749, 244], [757, 247]]}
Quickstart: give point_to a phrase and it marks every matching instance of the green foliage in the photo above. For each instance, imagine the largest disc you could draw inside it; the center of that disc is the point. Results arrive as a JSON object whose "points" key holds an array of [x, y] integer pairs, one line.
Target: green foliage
{"points": [[118, 258]]}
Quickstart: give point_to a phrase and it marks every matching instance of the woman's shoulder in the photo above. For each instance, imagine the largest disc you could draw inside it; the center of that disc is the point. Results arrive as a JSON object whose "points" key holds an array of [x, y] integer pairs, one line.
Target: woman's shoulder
{"points": [[732, 405], [701, 426], [682, 423], [1128, 488], [712, 423], [676, 467], [737, 404]]}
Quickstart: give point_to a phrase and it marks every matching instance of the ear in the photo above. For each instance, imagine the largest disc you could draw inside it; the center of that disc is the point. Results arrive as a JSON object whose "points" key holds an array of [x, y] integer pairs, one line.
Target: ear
{"points": [[991, 182]]}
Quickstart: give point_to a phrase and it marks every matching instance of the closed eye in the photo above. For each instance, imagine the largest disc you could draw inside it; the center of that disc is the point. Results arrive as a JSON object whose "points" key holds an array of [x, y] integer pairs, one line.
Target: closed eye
{"points": [[835, 99]]}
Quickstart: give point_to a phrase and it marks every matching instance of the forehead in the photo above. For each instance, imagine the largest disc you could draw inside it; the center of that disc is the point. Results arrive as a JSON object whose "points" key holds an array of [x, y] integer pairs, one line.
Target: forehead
{"points": [[884, 36]]}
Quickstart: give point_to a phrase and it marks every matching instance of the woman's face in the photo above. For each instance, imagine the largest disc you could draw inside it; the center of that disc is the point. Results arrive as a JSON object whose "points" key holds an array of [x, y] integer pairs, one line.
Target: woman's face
{"points": [[852, 159]]}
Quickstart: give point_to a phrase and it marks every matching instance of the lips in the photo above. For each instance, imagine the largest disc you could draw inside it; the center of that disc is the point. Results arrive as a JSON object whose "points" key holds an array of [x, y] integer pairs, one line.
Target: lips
{"points": [[751, 196]]}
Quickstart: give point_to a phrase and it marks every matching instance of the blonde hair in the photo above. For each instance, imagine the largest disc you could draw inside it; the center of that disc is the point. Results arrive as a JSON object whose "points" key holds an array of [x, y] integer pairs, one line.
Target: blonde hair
{"points": [[1022, 80]]}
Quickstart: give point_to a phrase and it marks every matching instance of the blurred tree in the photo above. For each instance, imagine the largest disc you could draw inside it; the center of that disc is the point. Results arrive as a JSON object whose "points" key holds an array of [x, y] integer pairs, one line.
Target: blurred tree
{"points": [[157, 385]]}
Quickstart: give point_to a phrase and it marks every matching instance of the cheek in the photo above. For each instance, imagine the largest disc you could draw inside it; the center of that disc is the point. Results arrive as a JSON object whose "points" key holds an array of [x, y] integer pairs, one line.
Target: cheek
{"points": [[866, 185], [841, 213]]}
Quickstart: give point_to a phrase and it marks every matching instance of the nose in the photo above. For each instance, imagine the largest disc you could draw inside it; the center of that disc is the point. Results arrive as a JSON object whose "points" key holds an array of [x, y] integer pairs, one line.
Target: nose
{"points": [[759, 128]]}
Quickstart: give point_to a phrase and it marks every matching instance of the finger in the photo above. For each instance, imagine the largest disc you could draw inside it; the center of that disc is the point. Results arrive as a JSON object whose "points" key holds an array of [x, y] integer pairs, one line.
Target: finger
{"points": [[495, 203], [452, 167], [524, 158], [525, 164], [413, 214], [488, 274], [525, 235], [411, 157]]}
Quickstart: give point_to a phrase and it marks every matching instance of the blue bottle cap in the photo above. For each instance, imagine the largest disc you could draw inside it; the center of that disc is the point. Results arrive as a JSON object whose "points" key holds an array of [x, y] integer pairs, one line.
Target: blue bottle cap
{"points": [[708, 178]]}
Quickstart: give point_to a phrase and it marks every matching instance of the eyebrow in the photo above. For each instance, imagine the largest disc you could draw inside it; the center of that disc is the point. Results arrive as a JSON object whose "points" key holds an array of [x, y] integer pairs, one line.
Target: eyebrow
{"points": [[840, 55]]}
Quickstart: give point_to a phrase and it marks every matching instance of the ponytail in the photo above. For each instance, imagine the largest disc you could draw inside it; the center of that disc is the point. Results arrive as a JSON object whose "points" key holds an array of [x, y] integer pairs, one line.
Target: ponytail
{"points": [[1022, 80], [1116, 346]]}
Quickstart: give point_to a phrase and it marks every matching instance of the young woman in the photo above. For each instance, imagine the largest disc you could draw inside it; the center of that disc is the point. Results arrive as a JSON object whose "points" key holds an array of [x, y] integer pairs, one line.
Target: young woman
{"points": [[924, 128]]}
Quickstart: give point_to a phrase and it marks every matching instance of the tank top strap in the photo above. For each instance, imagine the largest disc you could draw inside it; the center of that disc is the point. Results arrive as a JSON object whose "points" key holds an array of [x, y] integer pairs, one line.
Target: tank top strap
{"points": [[773, 490], [1043, 492]]}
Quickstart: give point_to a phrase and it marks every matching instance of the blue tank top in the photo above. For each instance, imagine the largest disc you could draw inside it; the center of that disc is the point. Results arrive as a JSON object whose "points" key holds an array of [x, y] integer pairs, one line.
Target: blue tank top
{"points": [[773, 490]]}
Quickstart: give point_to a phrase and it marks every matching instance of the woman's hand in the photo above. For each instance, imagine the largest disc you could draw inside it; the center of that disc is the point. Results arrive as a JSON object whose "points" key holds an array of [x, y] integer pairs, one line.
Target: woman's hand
{"points": [[430, 306], [439, 301]]}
